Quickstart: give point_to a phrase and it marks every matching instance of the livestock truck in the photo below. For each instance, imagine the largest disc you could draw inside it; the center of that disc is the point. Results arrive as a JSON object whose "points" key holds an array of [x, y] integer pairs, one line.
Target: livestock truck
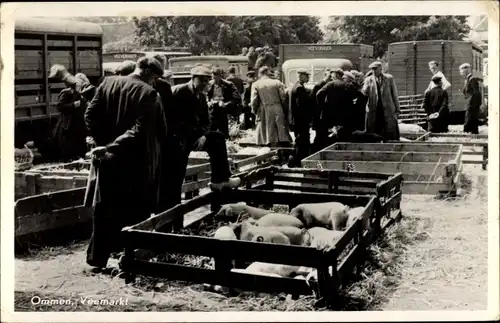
{"points": [[408, 64], [39, 44]]}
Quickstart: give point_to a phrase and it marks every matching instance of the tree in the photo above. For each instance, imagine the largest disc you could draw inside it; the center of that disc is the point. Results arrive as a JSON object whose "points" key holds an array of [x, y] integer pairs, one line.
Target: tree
{"points": [[379, 31], [226, 34]]}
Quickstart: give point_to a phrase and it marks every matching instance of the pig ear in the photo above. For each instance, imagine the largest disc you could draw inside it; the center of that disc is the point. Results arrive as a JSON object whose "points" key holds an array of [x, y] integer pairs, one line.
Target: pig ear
{"points": [[259, 239]]}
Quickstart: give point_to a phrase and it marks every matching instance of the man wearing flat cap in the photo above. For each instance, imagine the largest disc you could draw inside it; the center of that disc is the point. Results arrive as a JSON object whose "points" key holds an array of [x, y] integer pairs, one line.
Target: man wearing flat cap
{"points": [[249, 117], [69, 132], [223, 101], [261, 58], [436, 106], [189, 130], [125, 68], [301, 117], [473, 99], [252, 58], [334, 102], [383, 103], [126, 121], [315, 107]]}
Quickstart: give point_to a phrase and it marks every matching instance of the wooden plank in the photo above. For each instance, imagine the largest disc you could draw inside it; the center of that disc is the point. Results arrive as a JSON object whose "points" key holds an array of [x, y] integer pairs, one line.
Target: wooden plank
{"points": [[346, 155], [229, 279], [193, 186], [403, 146], [230, 249], [45, 203], [36, 222], [373, 166]]}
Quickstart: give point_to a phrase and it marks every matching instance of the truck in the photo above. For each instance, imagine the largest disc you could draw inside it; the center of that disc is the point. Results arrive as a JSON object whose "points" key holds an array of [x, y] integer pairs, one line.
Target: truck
{"points": [[408, 64], [118, 57], [39, 44], [359, 55]]}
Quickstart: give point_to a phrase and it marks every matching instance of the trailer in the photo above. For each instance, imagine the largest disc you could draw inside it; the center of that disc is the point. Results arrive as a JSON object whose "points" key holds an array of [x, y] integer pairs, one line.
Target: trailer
{"points": [[408, 64], [39, 44]]}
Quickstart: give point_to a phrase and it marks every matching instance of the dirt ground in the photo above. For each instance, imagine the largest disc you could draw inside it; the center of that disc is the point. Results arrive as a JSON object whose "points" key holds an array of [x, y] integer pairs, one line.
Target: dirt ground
{"points": [[439, 262]]}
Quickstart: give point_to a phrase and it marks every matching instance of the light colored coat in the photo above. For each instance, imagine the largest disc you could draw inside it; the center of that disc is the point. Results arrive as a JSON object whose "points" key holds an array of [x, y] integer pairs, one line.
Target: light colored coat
{"points": [[390, 103], [266, 101]]}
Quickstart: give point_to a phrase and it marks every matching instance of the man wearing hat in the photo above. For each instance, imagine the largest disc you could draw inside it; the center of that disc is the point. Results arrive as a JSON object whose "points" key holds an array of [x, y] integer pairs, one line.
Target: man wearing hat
{"points": [[223, 100], [249, 117], [383, 103], [301, 116], [268, 103], [334, 103], [127, 123], [125, 68], [189, 130], [436, 106], [261, 58], [69, 132], [473, 98], [269, 58], [318, 86], [434, 67], [252, 58]]}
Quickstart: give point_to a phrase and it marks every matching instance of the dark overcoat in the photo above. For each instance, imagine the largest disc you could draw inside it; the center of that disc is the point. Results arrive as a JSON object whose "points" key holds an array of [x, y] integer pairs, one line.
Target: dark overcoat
{"points": [[218, 115]]}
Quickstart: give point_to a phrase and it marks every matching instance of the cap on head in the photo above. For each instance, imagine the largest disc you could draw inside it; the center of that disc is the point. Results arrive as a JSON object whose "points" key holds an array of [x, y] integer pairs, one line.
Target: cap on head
{"points": [[464, 65], [125, 68], [338, 71], [150, 63], [349, 76], [251, 73], [375, 65], [159, 57], [217, 71], [201, 71], [303, 71]]}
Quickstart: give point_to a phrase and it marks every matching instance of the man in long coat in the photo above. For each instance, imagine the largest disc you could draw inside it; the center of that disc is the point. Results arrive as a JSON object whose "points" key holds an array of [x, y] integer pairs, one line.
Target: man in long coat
{"points": [[267, 101], [249, 117], [300, 108], [189, 130], [473, 97], [383, 103], [126, 121], [334, 102], [223, 97]]}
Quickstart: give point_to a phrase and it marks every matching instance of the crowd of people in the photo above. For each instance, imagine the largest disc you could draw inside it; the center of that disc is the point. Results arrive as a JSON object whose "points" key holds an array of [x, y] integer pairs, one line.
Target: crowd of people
{"points": [[142, 130]]}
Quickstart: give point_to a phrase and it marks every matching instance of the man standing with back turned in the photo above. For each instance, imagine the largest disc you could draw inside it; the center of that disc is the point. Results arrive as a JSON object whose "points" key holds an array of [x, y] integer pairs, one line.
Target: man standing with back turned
{"points": [[301, 113], [126, 121]]}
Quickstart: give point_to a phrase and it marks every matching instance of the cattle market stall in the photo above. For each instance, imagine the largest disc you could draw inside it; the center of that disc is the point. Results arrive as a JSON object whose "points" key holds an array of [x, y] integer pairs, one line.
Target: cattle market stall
{"points": [[427, 168], [39, 44], [334, 266]]}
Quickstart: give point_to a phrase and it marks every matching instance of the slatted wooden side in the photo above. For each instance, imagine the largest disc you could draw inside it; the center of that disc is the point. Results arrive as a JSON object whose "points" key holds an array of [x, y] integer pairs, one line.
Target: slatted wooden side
{"points": [[347, 255], [411, 109]]}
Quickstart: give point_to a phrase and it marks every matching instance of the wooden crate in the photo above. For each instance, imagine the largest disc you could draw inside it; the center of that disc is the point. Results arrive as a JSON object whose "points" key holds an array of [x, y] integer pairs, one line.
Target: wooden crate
{"points": [[352, 245], [386, 187], [427, 168], [475, 145], [411, 109], [42, 213]]}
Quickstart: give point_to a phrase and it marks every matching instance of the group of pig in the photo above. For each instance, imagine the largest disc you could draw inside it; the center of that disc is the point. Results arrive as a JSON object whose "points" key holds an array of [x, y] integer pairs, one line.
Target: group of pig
{"points": [[317, 225]]}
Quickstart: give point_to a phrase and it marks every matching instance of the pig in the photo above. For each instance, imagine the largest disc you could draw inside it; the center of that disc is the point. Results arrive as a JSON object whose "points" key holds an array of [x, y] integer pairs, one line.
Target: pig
{"points": [[225, 233], [276, 269], [247, 231], [324, 239], [296, 236], [354, 214], [235, 209], [269, 236], [329, 215], [277, 219]]}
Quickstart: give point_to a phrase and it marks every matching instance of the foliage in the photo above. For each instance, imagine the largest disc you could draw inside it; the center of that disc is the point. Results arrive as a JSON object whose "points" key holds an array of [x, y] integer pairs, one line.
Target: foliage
{"points": [[379, 31], [226, 34]]}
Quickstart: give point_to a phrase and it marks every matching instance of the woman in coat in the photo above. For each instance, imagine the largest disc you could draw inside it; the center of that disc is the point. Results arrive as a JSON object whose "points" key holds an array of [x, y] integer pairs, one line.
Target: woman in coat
{"points": [[267, 100]]}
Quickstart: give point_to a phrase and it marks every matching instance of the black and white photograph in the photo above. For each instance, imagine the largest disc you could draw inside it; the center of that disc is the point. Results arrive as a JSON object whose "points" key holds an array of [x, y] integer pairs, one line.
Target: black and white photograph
{"points": [[237, 157]]}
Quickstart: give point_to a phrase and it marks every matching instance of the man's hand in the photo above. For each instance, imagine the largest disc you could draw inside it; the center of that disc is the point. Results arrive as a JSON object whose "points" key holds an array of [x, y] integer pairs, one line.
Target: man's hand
{"points": [[90, 140], [101, 153], [200, 143], [77, 104]]}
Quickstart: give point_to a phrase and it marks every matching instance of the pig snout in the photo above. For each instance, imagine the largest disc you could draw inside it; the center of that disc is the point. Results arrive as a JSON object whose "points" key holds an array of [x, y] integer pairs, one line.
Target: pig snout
{"points": [[232, 210], [271, 237], [339, 218]]}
